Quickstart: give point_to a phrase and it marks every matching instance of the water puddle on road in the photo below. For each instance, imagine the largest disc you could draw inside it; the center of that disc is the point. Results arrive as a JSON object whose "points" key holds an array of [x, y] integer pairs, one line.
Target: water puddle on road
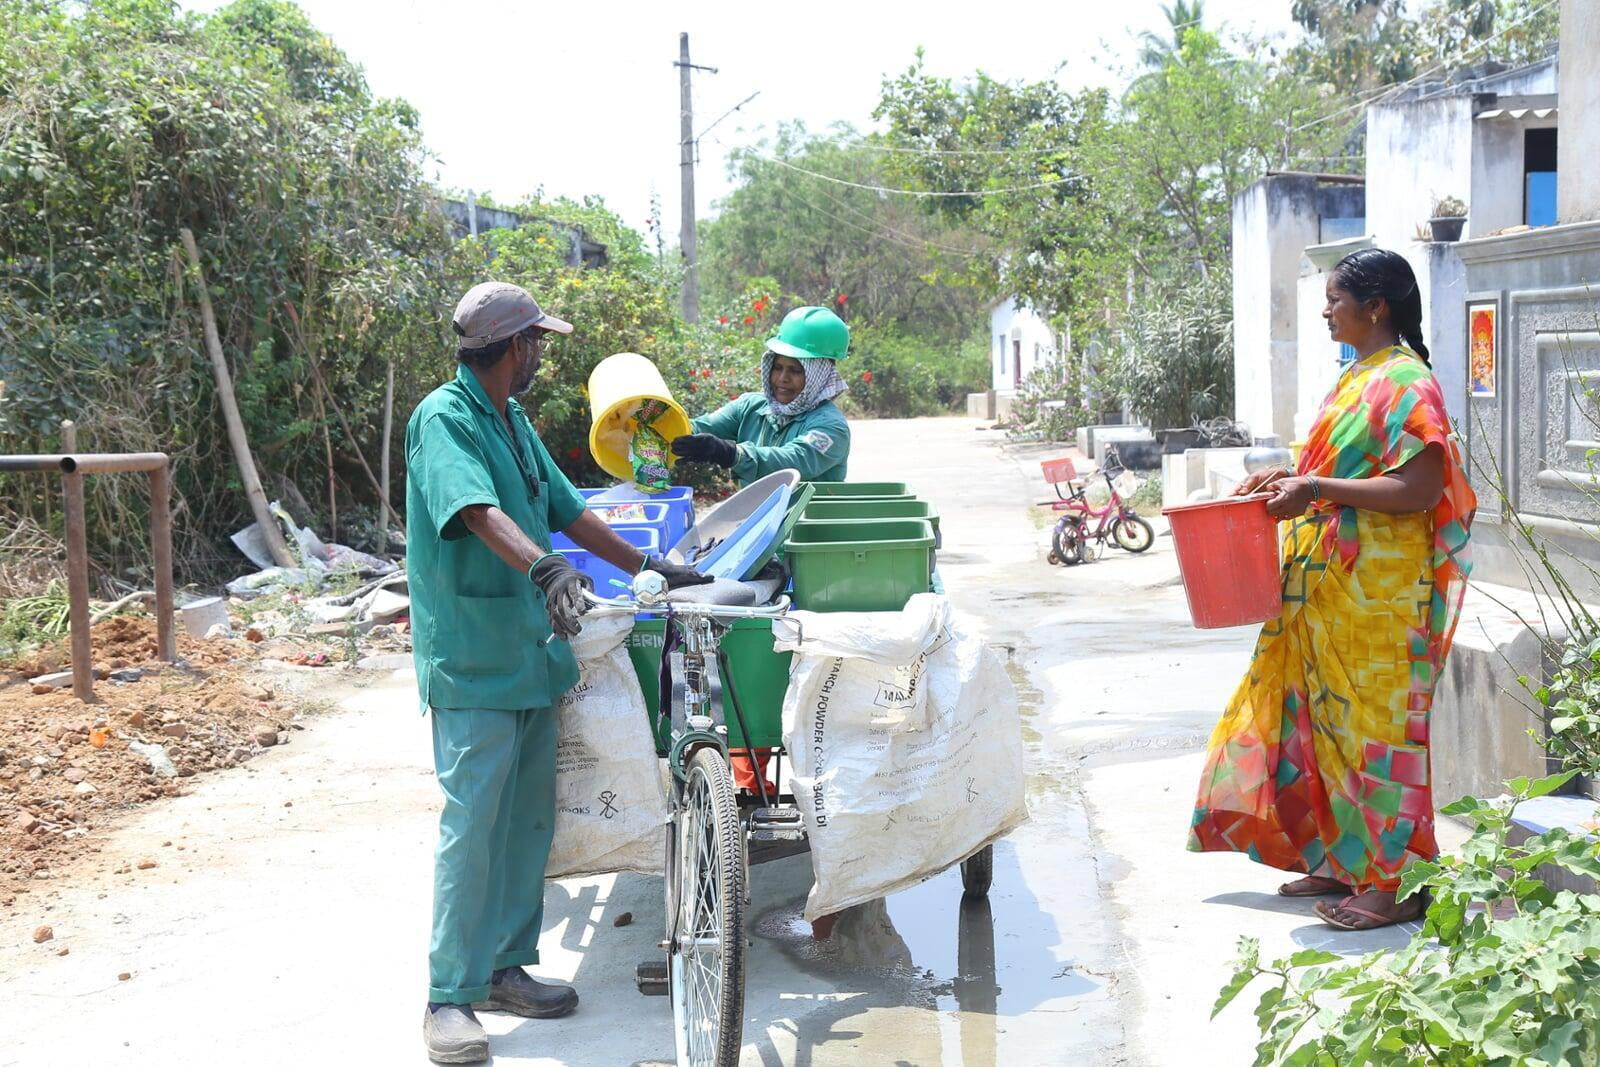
{"points": [[933, 976], [928, 976]]}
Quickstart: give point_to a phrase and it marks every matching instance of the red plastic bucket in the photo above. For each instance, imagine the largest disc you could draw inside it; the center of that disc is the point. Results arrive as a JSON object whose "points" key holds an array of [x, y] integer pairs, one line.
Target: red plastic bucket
{"points": [[1229, 557]]}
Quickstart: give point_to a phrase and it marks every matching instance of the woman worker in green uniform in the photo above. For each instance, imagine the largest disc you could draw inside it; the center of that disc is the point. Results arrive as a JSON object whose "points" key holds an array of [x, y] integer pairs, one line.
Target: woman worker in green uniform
{"points": [[792, 422]]}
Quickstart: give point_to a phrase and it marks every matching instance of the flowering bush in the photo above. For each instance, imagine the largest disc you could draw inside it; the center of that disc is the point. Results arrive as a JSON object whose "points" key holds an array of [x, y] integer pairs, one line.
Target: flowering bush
{"points": [[893, 375]]}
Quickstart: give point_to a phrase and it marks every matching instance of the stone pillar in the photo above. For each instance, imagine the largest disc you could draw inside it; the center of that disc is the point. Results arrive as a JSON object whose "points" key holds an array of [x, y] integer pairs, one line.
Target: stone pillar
{"points": [[1578, 184]]}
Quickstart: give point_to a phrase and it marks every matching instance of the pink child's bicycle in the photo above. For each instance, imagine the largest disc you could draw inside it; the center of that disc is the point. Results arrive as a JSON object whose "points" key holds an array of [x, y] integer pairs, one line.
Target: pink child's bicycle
{"points": [[1116, 523]]}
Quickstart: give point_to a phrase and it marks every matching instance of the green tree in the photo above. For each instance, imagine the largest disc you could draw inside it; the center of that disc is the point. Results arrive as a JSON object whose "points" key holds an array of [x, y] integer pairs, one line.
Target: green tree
{"points": [[1358, 47], [1156, 51], [1089, 200], [801, 217], [322, 246], [805, 226]]}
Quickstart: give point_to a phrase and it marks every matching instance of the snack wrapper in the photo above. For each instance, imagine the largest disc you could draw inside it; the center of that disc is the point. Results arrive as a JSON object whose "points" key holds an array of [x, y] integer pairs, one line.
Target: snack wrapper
{"points": [[647, 451]]}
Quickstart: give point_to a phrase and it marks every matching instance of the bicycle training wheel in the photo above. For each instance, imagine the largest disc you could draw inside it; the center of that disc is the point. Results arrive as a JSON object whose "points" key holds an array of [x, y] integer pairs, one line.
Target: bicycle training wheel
{"points": [[1133, 533], [707, 952], [1068, 543]]}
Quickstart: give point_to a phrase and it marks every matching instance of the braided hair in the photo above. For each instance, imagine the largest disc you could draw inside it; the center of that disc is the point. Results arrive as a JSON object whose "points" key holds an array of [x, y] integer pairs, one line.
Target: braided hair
{"points": [[1369, 273]]}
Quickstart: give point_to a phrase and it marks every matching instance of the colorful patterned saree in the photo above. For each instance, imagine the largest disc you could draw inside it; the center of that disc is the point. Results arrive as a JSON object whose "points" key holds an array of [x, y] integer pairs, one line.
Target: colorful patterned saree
{"points": [[1320, 763]]}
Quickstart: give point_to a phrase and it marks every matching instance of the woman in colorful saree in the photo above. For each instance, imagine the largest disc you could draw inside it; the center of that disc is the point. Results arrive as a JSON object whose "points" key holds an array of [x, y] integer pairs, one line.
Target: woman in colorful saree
{"points": [[1320, 763]]}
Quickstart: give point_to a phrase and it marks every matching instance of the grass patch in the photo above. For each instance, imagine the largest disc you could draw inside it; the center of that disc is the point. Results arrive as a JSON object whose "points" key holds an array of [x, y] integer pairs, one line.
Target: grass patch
{"points": [[30, 621]]}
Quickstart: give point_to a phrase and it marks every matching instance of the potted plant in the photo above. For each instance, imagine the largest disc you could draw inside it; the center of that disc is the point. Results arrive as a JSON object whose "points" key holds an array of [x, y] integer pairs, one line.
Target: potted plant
{"points": [[1449, 216]]}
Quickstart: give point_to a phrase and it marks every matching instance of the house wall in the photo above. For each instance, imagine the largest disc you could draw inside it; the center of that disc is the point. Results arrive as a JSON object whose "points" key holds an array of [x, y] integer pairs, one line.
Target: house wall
{"points": [[1578, 188], [1531, 440], [1496, 198], [1273, 222], [1342, 211], [1318, 353], [1009, 323], [1417, 153], [1536, 78]]}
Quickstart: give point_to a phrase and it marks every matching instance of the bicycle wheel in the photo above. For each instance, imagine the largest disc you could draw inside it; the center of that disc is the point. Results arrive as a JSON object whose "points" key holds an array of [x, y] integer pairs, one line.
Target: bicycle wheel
{"points": [[977, 873], [707, 953], [1133, 533], [1068, 542]]}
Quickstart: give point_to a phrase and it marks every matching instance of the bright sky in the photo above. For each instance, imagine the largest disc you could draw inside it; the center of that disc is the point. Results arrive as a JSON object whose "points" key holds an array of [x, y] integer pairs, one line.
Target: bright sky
{"points": [[583, 97]]}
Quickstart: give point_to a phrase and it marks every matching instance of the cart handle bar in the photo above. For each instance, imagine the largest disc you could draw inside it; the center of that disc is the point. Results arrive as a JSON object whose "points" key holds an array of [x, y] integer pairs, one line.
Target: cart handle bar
{"points": [[721, 611]]}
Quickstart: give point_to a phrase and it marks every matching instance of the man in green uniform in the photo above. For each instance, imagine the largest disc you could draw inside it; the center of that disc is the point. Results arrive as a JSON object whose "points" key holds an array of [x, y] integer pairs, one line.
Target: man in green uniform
{"points": [[492, 608], [792, 422]]}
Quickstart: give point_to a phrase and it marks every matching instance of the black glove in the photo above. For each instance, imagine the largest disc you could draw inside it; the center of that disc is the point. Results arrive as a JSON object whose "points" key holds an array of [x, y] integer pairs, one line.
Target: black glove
{"points": [[676, 574], [563, 593], [706, 448]]}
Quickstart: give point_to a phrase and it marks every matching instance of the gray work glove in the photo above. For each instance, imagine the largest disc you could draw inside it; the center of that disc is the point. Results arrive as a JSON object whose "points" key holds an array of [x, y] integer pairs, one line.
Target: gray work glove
{"points": [[677, 574], [563, 593]]}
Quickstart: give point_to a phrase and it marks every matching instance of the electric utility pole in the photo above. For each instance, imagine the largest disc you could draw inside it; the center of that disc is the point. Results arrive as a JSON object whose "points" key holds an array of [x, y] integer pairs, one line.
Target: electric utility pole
{"points": [[686, 151]]}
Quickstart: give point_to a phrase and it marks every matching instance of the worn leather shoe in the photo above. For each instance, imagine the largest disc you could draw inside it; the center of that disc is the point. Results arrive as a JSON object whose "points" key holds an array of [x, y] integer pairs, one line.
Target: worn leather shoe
{"points": [[519, 994], [453, 1035]]}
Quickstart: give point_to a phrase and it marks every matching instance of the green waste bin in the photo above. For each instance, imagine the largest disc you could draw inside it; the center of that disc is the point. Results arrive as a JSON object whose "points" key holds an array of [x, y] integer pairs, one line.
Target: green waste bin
{"points": [[860, 489], [861, 565], [836, 509], [760, 678]]}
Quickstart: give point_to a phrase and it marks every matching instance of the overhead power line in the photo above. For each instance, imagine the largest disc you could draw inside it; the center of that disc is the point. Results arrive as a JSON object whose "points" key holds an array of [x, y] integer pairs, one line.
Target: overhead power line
{"points": [[892, 236], [921, 193], [878, 146], [910, 240]]}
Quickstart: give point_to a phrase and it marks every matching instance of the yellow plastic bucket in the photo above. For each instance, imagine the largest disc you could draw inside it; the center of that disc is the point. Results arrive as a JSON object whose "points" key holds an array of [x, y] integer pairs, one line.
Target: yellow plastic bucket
{"points": [[617, 387]]}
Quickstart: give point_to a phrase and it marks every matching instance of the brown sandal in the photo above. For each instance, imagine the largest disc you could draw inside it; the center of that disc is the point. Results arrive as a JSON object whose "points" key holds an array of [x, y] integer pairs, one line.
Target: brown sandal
{"points": [[1313, 886], [1370, 920]]}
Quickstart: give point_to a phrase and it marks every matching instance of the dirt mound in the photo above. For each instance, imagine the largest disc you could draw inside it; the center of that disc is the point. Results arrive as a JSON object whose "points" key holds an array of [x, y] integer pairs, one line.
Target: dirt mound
{"points": [[66, 768], [119, 642]]}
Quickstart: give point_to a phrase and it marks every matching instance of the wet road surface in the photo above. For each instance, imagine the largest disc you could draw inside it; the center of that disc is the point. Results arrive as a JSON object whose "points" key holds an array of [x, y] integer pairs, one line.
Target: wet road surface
{"points": [[292, 927]]}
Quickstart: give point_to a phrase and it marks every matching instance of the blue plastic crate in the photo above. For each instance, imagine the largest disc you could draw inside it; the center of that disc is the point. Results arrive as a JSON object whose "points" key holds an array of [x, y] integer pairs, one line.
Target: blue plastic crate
{"points": [[657, 517], [679, 501], [598, 570]]}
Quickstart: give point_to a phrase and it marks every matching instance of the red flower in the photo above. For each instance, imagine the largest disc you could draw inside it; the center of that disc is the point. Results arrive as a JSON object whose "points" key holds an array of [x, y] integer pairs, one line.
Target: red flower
{"points": [[866, 376], [722, 320], [693, 388], [576, 453], [748, 319], [840, 299], [706, 373]]}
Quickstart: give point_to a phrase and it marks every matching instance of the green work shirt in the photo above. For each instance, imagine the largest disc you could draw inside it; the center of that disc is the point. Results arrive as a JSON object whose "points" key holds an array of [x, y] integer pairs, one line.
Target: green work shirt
{"points": [[817, 444], [478, 625]]}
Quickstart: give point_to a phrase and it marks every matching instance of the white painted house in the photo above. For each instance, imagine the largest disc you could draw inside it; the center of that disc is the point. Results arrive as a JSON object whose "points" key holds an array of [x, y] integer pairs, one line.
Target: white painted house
{"points": [[1020, 340]]}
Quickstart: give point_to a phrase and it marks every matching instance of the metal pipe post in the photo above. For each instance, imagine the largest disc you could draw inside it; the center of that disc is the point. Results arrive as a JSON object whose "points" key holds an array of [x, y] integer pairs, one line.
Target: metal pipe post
{"points": [[77, 575], [113, 462], [161, 545], [91, 463]]}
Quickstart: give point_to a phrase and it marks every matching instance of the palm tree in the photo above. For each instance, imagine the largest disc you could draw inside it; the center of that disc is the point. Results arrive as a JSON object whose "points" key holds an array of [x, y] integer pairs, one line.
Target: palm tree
{"points": [[1156, 51]]}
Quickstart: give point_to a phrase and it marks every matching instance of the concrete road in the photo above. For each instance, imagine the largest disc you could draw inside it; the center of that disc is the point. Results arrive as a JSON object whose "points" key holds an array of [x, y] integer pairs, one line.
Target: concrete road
{"points": [[286, 919]]}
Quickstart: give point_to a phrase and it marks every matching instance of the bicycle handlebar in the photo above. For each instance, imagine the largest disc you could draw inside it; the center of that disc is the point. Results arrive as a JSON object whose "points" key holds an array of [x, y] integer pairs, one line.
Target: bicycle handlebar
{"points": [[633, 606]]}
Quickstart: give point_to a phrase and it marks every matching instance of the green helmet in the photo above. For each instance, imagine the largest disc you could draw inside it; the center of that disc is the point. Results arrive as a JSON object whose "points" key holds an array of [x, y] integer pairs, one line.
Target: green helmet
{"points": [[811, 333]]}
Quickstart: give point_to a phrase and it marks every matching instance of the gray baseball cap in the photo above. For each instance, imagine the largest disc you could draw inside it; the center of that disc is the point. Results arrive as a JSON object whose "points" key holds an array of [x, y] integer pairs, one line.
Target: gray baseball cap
{"points": [[493, 311]]}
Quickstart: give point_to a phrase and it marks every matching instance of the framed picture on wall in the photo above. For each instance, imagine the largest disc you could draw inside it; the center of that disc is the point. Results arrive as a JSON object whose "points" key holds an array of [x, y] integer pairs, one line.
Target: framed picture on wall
{"points": [[1482, 346]]}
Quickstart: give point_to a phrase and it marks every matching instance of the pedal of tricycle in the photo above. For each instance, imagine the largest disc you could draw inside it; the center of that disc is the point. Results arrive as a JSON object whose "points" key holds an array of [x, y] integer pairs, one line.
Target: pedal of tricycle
{"points": [[776, 824], [651, 978]]}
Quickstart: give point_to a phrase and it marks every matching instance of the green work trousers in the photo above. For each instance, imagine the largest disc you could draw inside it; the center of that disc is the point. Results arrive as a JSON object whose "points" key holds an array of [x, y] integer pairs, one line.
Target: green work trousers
{"points": [[497, 770]]}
